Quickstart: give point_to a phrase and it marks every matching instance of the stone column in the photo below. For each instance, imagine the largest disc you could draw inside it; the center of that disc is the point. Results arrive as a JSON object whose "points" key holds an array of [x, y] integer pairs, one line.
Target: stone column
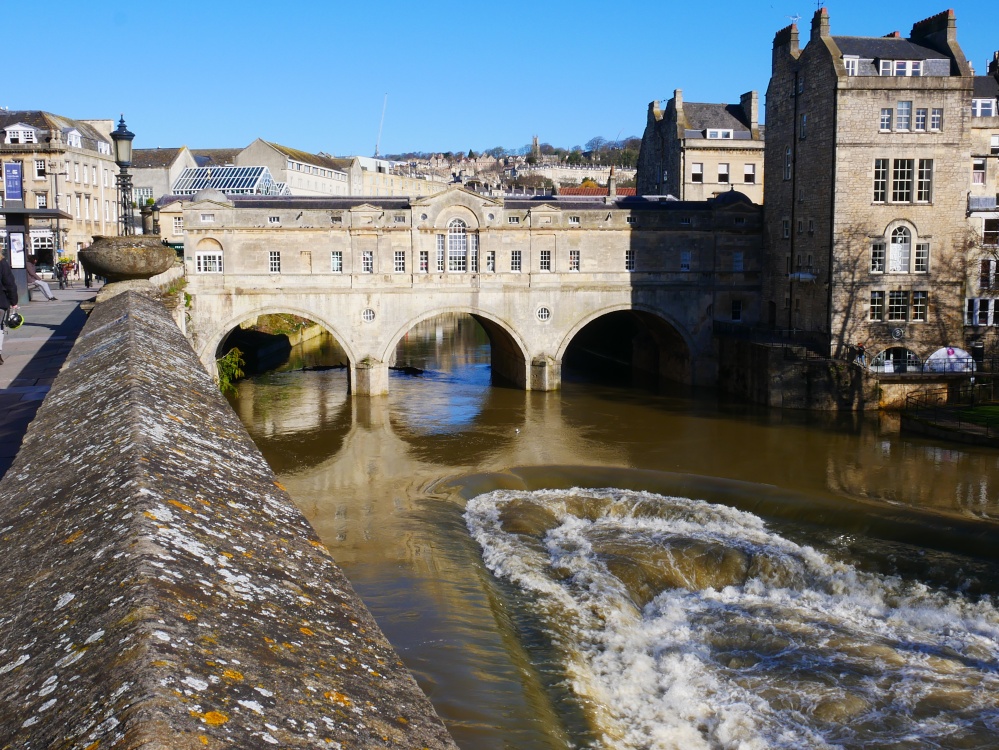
{"points": [[369, 378], [546, 374]]}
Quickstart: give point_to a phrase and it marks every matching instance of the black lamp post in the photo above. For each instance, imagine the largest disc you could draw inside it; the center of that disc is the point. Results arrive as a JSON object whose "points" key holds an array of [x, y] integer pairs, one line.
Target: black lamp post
{"points": [[122, 138]]}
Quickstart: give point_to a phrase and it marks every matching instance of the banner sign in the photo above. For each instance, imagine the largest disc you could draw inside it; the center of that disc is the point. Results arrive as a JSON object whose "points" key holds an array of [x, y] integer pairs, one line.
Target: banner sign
{"points": [[16, 249], [12, 181]]}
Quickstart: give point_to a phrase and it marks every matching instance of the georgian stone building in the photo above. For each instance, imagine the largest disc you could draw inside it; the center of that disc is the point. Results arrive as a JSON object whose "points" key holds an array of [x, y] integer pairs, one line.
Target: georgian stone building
{"points": [[868, 152], [982, 307], [694, 151], [534, 272], [68, 165]]}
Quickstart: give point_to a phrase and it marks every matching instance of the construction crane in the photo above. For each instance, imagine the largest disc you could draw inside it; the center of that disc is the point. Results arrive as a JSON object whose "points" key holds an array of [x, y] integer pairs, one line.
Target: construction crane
{"points": [[380, 125]]}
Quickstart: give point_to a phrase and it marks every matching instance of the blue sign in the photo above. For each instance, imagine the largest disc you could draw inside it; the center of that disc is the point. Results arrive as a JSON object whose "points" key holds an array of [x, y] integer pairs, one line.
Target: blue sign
{"points": [[12, 181]]}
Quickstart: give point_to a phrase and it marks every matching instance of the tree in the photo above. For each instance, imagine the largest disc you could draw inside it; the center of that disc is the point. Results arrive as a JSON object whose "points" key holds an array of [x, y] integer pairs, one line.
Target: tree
{"points": [[471, 154], [596, 144]]}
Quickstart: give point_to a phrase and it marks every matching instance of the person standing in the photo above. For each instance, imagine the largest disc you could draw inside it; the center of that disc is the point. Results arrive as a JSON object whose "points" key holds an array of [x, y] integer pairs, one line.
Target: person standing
{"points": [[33, 278], [8, 296]]}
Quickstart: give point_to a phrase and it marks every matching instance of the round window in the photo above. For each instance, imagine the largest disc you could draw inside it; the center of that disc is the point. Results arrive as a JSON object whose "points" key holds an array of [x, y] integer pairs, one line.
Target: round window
{"points": [[490, 216], [423, 217], [544, 313], [368, 315]]}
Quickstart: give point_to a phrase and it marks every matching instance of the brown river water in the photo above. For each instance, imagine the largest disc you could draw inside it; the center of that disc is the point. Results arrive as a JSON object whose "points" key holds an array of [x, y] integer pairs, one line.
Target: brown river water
{"points": [[613, 566]]}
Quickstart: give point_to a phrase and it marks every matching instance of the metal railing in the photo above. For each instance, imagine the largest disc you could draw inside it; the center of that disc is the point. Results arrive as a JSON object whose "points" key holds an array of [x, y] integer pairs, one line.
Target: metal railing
{"points": [[958, 408]]}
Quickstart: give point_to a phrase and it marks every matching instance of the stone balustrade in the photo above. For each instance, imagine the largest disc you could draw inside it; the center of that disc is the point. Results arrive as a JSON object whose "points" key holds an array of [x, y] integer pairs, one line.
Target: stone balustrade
{"points": [[159, 587]]}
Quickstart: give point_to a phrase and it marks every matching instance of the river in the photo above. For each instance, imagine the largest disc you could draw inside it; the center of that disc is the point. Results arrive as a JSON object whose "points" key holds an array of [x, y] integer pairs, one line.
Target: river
{"points": [[612, 566]]}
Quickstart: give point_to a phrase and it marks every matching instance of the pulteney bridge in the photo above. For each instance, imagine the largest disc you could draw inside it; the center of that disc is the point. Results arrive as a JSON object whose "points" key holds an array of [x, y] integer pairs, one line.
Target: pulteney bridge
{"points": [[532, 272]]}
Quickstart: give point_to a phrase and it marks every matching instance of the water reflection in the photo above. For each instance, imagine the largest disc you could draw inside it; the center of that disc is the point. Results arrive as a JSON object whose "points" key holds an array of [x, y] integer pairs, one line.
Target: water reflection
{"points": [[370, 476]]}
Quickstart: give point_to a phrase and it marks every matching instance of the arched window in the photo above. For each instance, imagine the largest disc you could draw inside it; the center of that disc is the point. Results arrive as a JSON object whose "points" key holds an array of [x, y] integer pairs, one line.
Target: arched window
{"points": [[457, 246], [901, 250]]}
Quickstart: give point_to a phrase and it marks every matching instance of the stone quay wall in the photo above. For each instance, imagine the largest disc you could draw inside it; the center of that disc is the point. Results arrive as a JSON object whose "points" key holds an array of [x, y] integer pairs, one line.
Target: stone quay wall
{"points": [[158, 587]]}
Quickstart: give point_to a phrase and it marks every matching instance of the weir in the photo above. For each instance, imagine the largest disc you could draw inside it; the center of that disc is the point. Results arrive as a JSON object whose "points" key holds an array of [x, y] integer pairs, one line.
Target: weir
{"points": [[160, 589]]}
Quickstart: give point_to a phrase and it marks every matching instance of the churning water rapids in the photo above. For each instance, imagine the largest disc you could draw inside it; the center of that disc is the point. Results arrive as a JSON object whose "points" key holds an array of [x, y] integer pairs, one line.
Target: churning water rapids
{"points": [[614, 567]]}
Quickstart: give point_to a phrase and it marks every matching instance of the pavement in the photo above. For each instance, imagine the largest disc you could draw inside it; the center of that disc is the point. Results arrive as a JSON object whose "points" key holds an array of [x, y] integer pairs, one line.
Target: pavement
{"points": [[33, 356]]}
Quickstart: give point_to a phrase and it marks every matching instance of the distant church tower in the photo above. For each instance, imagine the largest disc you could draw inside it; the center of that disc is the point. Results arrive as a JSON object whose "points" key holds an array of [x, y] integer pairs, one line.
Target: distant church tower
{"points": [[535, 147]]}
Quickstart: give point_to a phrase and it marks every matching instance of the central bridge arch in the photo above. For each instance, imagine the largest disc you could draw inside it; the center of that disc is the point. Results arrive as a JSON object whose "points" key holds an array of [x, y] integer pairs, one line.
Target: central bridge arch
{"points": [[509, 354]]}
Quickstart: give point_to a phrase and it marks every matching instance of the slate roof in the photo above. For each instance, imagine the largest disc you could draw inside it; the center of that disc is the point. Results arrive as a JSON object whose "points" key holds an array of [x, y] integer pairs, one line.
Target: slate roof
{"points": [[594, 191], [724, 116], [46, 123], [210, 157], [153, 158], [888, 48], [306, 158], [986, 87], [320, 202]]}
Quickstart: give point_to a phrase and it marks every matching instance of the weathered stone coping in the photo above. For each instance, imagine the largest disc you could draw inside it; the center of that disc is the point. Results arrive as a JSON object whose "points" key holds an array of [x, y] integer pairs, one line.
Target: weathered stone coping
{"points": [[159, 589]]}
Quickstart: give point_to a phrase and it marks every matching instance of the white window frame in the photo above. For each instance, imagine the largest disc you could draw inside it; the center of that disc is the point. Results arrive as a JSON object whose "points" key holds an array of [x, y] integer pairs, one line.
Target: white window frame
{"points": [[749, 174], [207, 218], [983, 107], [887, 115], [903, 115], [574, 220], [516, 261], [274, 261], [367, 261], [921, 119], [208, 261], [697, 171], [719, 134], [936, 118], [178, 225], [273, 219], [40, 171], [512, 219], [723, 173], [852, 65], [457, 246], [399, 261], [978, 171], [574, 260], [545, 260]]}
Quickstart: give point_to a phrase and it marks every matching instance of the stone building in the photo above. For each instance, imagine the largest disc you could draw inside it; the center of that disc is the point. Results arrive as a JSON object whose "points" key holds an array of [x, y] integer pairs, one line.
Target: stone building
{"points": [[982, 306], [694, 151], [867, 153], [68, 165], [533, 271]]}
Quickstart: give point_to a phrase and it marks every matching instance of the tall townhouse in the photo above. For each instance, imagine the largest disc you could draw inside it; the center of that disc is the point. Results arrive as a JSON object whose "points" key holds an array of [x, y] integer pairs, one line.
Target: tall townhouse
{"points": [[868, 146], [982, 306], [66, 164], [695, 151]]}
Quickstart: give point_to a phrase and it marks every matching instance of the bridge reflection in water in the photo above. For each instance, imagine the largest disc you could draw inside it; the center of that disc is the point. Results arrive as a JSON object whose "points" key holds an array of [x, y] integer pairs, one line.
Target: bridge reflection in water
{"points": [[368, 474]]}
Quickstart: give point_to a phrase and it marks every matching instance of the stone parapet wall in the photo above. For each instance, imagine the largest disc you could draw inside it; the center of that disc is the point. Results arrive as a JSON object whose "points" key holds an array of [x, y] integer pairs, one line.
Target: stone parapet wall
{"points": [[159, 587]]}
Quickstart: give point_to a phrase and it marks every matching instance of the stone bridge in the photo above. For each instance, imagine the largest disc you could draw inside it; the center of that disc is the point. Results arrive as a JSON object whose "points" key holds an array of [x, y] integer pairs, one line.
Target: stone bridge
{"points": [[532, 272]]}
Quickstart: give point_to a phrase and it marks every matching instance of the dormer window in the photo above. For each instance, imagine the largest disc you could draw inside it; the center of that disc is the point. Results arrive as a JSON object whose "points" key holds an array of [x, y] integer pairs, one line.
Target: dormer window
{"points": [[21, 134], [73, 139], [901, 67], [852, 65], [983, 107], [719, 134], [103, 147]]}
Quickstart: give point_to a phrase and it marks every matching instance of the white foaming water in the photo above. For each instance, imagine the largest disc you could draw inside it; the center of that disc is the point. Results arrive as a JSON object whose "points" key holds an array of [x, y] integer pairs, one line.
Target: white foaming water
{"points": [[682, 624]]}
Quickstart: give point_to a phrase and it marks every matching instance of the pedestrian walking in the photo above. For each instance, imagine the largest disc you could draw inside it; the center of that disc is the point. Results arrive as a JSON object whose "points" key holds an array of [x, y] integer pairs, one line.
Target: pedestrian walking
{"points": [[8, 296], [861, 355], [34, 279]]}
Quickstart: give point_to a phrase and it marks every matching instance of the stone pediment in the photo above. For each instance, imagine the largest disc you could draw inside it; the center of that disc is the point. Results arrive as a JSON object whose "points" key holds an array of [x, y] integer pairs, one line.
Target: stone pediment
{"points": [[365, 208], [457, 194], [545, 207]]}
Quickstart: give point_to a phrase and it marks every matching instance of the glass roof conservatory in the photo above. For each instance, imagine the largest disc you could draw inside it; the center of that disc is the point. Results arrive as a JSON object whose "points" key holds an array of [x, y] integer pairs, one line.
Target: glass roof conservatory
{"points": [[230, 181]]}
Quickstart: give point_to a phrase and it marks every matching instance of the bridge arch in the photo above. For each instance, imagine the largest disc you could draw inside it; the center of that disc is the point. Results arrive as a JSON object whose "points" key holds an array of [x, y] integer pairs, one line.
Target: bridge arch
{"points": [[509, 354], [210, 351], [668, 350]]}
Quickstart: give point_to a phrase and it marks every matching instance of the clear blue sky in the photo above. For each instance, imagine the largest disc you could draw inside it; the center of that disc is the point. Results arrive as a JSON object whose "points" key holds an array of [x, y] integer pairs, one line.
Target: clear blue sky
{"points": [[459, 75]]}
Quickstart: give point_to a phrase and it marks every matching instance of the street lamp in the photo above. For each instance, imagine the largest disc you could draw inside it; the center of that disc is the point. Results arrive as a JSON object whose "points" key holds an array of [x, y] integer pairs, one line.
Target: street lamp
{"points": [[122, 138]]}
